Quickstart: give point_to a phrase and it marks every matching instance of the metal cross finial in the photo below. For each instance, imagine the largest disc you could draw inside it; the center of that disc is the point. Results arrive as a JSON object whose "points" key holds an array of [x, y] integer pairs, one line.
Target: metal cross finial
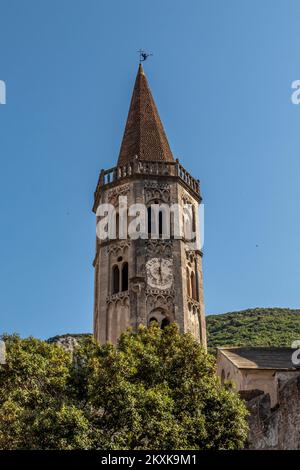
{"points": [[144, 55]]}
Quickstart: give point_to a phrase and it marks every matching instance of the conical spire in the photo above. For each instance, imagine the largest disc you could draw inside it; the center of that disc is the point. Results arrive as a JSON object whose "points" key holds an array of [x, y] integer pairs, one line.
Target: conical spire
{"points": [[144, 134]]}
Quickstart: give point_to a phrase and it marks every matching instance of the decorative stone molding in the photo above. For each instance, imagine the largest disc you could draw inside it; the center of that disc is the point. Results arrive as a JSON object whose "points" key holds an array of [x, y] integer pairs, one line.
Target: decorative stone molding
{"points": [[166, 293], [191, 255], [137, 283], [159, 248], [119, 297], [192, 303], [113, 194], [186, 199], [158, 299], [118, 248], [137, 288], [160, 191]]}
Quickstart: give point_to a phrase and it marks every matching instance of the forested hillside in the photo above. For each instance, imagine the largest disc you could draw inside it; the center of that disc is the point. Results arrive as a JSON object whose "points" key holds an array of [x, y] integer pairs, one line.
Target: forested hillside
{"points": [[254, 327]]}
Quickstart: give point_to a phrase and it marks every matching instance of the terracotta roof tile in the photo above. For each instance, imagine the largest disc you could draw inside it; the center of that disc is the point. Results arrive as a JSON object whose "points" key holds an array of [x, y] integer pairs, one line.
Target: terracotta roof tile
{"points": [[144, 134], [260, 358]]}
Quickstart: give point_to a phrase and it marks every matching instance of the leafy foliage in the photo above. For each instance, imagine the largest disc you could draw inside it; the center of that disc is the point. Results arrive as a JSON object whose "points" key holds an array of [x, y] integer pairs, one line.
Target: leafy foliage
{"points": [[254, 327], [156, 390]]}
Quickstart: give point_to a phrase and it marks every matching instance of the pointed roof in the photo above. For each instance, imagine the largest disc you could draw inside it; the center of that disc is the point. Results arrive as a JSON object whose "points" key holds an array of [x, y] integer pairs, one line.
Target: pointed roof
{"points": [[144, 134]]}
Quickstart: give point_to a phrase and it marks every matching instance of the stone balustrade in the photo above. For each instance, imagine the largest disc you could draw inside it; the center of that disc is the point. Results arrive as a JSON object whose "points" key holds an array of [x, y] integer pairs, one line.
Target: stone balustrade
{"points": [[137, 167]]}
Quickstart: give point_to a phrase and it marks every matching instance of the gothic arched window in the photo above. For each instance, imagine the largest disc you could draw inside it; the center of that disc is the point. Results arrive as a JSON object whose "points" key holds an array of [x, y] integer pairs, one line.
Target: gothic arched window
{"points": [[193, 283], [125, 277], [188, 282], [115, 279]]}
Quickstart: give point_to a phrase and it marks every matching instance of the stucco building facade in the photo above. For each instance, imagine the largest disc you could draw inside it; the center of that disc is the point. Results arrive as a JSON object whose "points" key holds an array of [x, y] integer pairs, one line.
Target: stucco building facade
{"points": [[257, 368]]}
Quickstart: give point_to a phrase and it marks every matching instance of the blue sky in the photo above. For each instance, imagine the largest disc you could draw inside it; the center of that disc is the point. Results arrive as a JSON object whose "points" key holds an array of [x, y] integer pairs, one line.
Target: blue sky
{"points": [[221, 76]]}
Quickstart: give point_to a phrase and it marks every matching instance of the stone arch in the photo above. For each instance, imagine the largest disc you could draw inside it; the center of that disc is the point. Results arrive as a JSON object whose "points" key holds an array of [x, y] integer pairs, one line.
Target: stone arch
{"points": [[160, 316]]}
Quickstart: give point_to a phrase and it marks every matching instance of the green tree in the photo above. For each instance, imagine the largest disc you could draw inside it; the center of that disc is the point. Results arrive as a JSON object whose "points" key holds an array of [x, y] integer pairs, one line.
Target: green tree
{"points": [[37, 410], [156, 390]]}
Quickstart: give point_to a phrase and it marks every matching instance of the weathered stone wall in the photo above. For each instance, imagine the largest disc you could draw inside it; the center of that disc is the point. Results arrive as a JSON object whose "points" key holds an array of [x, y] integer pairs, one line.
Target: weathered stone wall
{"points": [[275, 428]]}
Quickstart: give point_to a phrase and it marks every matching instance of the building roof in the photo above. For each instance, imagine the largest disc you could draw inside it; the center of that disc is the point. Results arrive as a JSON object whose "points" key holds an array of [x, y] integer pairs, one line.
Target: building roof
{"points": [[260, 358], [144, 134]]}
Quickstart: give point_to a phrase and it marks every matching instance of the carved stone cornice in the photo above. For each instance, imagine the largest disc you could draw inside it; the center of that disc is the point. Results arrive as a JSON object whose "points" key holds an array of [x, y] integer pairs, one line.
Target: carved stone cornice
{"points": [[164, 293], [193, 303], [159, 248], [116, 247], [157, 191], [191, 255], [120, 296], [114, 193]]}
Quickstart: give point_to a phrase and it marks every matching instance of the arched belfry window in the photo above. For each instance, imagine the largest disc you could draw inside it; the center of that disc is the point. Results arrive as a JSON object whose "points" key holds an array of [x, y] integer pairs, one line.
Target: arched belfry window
{"points": [[149, 219], [115, 279], [159, 218], [160, 224], [125, 277]]}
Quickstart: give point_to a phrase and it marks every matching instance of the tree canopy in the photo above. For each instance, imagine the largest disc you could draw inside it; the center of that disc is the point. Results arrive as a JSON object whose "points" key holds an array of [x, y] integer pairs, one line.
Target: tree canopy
{"points": [[156, 390]]}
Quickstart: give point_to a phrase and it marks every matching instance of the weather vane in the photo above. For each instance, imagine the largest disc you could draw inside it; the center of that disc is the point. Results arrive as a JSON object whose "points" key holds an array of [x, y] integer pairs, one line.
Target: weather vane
{"points": [[144, 55]]}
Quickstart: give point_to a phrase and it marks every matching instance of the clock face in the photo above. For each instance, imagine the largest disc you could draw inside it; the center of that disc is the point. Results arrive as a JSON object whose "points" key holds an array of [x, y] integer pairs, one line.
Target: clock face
{"points": [[160, 273]]}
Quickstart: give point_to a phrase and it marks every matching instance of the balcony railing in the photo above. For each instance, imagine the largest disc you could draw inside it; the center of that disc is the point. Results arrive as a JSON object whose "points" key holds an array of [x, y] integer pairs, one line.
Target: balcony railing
{"points": [[141, 167]]}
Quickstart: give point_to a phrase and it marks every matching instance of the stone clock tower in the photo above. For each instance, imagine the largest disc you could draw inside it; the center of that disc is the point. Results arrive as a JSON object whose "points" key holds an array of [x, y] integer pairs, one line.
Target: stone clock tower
{"points": [[147, 279]]}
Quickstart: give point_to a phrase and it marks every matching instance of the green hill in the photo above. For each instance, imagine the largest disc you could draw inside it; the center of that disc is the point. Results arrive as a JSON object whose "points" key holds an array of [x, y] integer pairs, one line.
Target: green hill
{"points": [[254, 327]]}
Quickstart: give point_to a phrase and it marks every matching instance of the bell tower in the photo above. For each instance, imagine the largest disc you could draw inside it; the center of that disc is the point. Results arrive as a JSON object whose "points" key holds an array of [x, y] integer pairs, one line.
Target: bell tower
{"points": [[150, 278]]}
